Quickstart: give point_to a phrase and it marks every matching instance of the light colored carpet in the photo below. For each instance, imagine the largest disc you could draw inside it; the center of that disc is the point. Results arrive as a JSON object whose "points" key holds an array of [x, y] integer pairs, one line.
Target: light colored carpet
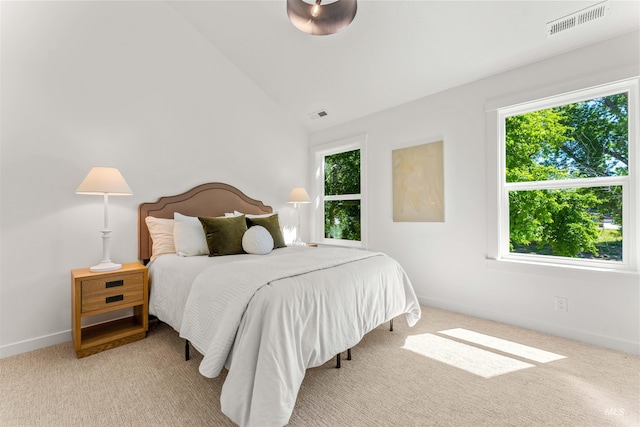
{"points": [[420, 376]]}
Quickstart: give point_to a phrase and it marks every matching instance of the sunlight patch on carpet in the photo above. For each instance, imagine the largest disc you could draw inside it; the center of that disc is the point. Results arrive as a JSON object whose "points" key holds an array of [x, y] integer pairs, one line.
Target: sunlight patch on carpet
{"points": [[505, 346], [469, 358]]}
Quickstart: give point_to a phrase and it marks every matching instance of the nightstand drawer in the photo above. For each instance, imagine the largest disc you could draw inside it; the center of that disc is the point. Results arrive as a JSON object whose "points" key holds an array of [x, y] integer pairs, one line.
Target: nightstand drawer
{"points": [[112, 292], [95, 302], [113, 284]]}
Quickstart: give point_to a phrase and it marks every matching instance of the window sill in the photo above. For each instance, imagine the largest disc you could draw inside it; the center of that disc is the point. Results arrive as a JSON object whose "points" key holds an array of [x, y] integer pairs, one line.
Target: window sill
{"points": [[582, 273], [340, 244]]}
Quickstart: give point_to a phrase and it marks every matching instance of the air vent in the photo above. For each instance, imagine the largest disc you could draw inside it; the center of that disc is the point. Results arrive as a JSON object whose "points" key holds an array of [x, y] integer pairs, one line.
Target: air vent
{"points": [[318, 114], [598, 11]]}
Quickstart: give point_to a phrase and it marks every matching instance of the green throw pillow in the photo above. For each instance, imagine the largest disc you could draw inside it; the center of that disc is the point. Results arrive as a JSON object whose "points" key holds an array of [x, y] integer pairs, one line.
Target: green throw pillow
{"points": [[272, 224], [224, 235]]}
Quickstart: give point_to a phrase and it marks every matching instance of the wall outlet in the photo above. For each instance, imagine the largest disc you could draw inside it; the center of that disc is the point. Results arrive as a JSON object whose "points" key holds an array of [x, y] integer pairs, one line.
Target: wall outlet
{"points": [[561, 304]]}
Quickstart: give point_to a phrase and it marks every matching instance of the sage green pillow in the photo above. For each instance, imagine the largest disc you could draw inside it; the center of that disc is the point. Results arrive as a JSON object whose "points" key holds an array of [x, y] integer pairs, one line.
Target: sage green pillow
{"points": [[272, 225], [224, 235]]}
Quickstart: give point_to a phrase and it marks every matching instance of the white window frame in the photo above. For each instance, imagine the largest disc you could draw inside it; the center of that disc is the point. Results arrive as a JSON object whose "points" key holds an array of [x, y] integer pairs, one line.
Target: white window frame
{"points": [[318, 154], [629, 183]]}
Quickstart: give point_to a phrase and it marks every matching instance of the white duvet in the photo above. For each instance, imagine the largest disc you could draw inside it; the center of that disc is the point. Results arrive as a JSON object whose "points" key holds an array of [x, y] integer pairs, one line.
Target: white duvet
{"points": [[269, 319]]}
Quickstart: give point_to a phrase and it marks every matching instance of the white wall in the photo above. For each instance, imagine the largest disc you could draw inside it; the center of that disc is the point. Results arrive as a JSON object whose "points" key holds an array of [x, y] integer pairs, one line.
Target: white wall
{"points": [[123, 84], [447, 262]]}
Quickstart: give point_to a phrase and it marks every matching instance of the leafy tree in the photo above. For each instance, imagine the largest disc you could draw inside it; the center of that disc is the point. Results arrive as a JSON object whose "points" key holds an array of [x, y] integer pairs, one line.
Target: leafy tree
{"points": [[599, 146], [531, 138], [342, 219], [598, 137], [584, 139], [342, 173], [342, 176]]}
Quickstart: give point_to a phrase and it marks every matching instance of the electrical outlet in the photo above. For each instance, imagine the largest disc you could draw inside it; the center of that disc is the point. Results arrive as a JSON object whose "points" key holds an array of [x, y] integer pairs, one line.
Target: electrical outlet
{"points": [[561, 304]]}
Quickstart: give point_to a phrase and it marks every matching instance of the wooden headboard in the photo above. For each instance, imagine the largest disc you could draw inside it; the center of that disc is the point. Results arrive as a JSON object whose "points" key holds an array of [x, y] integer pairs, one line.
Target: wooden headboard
{"points": [[212, 199]]}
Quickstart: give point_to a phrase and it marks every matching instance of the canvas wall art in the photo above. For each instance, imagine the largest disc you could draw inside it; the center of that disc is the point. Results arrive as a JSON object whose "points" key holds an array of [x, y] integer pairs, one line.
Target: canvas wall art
{"points": [[418, 183]]}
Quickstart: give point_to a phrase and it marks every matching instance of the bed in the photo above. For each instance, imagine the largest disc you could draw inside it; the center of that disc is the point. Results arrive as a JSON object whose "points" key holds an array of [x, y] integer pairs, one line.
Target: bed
{"points": [[265, 316]]}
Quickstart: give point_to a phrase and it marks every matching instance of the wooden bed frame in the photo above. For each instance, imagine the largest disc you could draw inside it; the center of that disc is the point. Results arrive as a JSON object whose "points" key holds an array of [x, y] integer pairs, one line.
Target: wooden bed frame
{"points": [[211, 199]]}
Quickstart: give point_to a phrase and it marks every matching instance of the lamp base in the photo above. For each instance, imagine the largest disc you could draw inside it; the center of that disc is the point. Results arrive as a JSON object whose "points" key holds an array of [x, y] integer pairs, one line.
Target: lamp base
{"points": [[105, 266]]}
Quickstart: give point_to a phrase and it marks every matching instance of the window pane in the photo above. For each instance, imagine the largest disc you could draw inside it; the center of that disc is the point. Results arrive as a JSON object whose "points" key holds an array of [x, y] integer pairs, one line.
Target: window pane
{"points": [[578, 223], [342, 173], [579, 140], [342, 219]]}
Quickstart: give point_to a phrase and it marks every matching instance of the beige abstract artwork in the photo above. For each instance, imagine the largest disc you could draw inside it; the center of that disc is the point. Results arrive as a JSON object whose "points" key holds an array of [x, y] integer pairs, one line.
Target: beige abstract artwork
{"points": [[418, 183]]}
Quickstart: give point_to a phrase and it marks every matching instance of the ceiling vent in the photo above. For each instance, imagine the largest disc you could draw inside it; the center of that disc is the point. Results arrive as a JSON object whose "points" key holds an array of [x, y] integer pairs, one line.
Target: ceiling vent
{"points": [[598, 11], [318, 114]]}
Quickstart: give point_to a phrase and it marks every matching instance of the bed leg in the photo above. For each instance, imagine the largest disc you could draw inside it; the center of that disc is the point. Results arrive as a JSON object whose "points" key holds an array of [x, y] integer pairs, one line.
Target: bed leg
{"points": [[391, 325], [186, 350], [338, 356]]}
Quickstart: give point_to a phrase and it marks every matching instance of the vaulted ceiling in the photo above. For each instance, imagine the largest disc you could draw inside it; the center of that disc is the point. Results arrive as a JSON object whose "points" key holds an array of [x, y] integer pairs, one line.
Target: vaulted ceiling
{"points": [[394, 51]]}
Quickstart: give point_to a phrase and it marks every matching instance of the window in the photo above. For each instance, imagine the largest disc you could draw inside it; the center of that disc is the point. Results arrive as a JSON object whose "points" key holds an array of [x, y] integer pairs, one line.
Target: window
{"points": [[340, 206], [568, 179]]}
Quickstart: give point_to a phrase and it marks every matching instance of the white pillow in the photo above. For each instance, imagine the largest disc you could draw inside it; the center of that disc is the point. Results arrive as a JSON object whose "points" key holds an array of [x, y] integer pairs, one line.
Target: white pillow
{"points": [[257, 240], [188, 236], [161, 231]]}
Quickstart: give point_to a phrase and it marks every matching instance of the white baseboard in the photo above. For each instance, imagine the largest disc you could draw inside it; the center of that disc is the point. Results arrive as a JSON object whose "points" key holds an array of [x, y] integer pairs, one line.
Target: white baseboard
{"points": [[537, 325], [34, 344], [59, 337]]}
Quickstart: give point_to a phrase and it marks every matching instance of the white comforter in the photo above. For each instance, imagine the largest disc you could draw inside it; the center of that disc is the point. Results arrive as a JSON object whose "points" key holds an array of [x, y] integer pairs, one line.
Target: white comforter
{"points": [[268, 320]]}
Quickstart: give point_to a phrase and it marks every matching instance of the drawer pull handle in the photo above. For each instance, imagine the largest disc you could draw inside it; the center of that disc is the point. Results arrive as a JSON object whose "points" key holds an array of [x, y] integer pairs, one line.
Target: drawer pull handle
{"points": [[115, 283], [114, 298]]}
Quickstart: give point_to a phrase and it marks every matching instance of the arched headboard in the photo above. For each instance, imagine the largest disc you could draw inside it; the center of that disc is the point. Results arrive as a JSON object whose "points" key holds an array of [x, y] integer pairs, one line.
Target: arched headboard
{"points": [[211, 199]]}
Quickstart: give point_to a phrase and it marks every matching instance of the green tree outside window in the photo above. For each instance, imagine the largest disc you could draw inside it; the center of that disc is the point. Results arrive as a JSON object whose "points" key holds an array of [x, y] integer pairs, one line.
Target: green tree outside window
{"points": [[587, 139], [342, 179]]}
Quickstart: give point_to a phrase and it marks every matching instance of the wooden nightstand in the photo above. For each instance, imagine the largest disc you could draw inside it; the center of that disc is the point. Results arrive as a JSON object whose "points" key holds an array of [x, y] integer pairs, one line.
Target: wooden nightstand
{"points": [[97, 293]]}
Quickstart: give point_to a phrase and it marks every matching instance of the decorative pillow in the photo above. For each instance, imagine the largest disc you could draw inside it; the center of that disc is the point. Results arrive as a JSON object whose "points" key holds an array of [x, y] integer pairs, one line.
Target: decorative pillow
{"points": [[272, 225], [224, 235], [257, 240], [161, 231], [188, 236]]}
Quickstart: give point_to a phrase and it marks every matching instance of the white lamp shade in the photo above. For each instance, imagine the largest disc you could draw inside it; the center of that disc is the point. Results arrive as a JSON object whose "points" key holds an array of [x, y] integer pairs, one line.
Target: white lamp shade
{"points": [[104, 180], [299, 195]]}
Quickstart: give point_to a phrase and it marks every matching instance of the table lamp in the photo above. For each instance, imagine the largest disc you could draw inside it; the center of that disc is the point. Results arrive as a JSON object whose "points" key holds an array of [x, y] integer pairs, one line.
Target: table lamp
{"points": [[297, 196], [105, 181]]}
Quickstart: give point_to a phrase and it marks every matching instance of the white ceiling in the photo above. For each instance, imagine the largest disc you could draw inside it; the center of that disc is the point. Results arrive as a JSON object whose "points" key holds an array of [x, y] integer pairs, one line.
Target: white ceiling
{"points": [[394, 51]]}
